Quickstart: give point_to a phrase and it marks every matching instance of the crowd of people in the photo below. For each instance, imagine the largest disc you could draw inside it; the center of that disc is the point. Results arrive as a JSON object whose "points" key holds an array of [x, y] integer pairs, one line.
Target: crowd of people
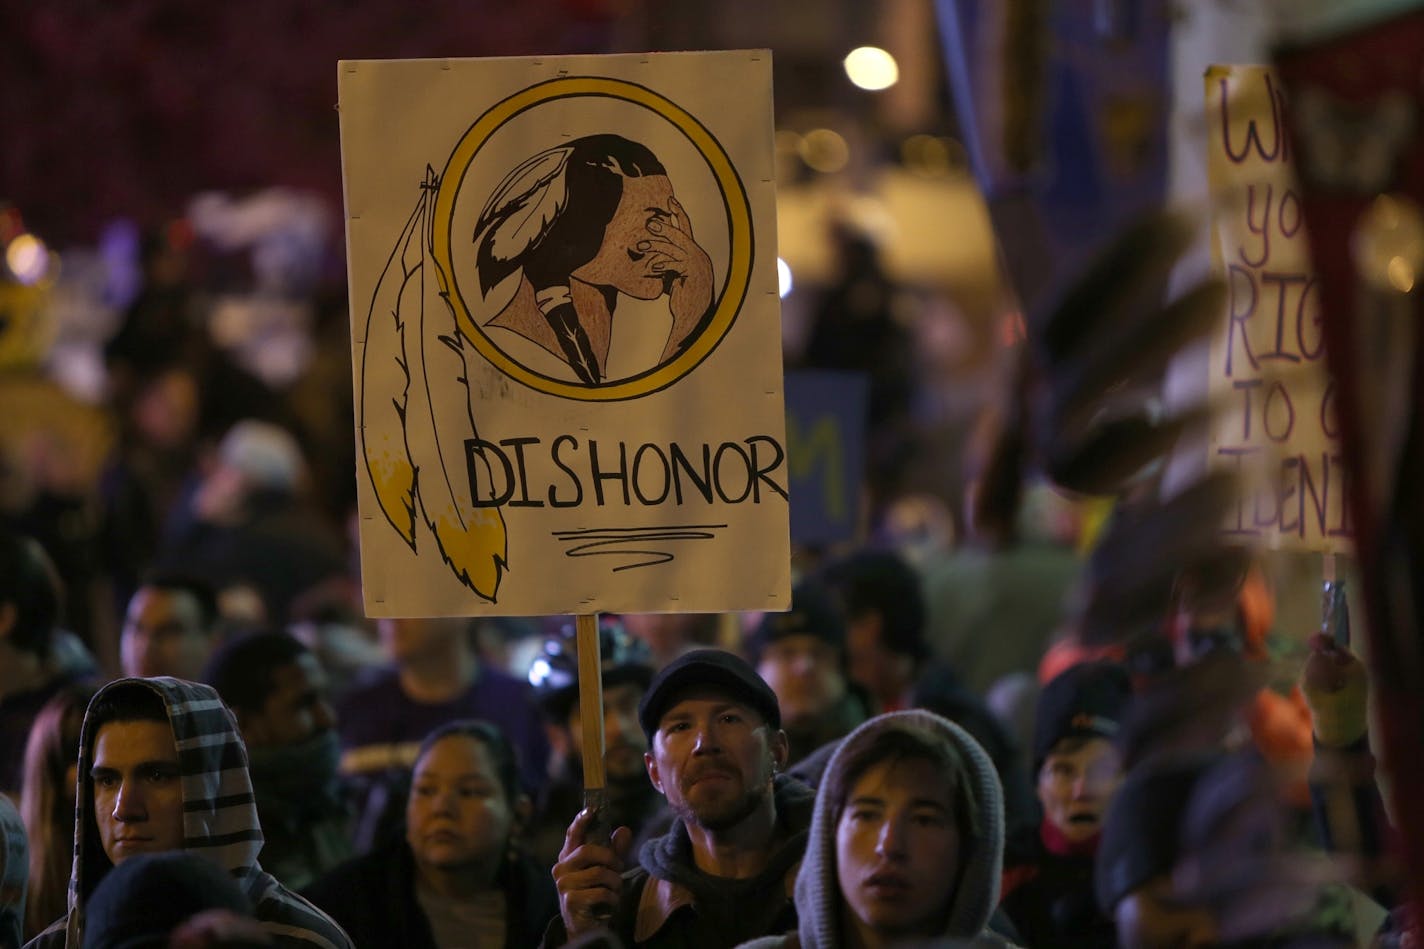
{"points": [[203, 741], [823, 778]]}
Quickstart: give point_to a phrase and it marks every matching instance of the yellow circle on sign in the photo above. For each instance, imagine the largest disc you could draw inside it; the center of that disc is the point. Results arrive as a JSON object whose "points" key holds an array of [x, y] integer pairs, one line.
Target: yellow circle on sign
{"points": [[734, 199]]}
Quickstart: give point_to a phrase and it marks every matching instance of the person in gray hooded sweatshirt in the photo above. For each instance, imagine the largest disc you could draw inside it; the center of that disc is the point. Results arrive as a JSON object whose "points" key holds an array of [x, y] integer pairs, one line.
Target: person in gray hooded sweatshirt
{"points": [[162, 768], [906, 842]]}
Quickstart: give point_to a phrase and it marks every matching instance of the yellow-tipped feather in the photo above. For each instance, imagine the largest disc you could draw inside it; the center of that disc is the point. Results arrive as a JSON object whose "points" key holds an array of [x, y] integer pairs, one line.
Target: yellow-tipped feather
{"points": [[471, 540], [385, 381]]}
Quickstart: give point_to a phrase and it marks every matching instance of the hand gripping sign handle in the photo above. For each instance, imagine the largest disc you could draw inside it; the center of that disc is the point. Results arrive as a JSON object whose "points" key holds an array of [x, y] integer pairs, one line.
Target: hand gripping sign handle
{"points": [[590, 691]]}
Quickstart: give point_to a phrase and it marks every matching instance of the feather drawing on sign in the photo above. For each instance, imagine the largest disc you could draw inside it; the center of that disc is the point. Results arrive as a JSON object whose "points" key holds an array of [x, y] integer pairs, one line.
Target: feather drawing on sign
{"points": [[584, 225], [422, 407]]}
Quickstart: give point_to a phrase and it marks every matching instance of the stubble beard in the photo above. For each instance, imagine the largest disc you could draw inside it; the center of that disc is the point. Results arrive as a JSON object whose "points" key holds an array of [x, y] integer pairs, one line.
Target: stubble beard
{"points": [[723, 814]]}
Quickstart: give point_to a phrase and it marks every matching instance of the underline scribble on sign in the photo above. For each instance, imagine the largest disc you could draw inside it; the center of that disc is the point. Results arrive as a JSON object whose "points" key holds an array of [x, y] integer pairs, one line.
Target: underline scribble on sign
{"points": [[621, 541]]}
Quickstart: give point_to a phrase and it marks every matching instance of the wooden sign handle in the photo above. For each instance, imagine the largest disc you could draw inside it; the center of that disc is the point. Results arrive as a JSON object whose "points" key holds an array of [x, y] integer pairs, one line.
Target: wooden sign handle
{"points": [[595, 781], [590, 692]]}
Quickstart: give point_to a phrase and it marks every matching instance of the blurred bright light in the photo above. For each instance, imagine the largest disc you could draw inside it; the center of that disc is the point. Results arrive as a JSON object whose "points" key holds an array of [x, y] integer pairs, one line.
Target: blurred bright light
{"points": [[27, 257], [1401, 275], [783, 278], [870, 67], [825, 151]]}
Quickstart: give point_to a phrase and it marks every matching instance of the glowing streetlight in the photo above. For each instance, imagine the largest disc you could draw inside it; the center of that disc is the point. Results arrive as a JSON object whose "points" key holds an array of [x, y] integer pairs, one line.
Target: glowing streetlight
{"points": [[783, 278], [871, 68]]}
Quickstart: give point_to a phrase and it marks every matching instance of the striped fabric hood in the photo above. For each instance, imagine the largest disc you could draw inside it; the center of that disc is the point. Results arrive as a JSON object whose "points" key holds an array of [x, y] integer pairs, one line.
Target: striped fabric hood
{"points": [[219, 820]]}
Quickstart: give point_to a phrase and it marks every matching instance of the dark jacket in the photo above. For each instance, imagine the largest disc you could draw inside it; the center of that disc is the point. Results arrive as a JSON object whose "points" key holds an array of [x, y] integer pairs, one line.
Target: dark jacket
{"points": [[373, 898], [1048, 892], [668, 902]]}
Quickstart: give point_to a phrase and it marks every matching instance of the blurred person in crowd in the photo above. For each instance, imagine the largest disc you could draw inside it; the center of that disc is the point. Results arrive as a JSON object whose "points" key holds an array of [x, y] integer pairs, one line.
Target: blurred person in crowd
{"points": [[1197, 850], [1351, 820], [162, 768], [145, 482], [889, 659], [278, 692], [435, 677], [31, 667], [170, 627], [669, 635], [994, 603], [14, 874], [47, 804], [724, 873], [331, 621], [802, 655], [253, 524], [457, 877], [1048, 870], [627, 671], [885, 624], [906, 841], [858, 327], [175, 898], [174, 392]]}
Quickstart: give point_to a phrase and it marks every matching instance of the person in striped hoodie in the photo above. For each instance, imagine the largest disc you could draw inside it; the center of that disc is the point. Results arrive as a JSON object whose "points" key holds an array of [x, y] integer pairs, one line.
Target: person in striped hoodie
{"points": [[162, 767]]}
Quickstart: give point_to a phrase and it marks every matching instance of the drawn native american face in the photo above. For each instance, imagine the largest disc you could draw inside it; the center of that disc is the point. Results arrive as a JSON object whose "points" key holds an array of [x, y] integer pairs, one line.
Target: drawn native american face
{"points": [[628, 259]]}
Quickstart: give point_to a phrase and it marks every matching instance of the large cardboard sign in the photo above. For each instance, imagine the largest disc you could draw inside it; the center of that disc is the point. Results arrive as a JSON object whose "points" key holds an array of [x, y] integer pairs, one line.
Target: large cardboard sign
{"points": [[1280, 429], [566, 334]]}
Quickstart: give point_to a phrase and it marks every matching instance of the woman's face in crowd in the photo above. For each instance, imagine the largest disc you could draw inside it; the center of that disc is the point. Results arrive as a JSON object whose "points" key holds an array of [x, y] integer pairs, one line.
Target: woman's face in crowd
{"points": [[898, 847], [458, 815], [805, 673]]}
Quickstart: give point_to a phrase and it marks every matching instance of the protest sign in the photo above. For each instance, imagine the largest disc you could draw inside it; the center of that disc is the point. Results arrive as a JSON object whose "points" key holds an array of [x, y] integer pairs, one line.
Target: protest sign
{"points": [[1279, 427], [566, 334], [825, 450]]}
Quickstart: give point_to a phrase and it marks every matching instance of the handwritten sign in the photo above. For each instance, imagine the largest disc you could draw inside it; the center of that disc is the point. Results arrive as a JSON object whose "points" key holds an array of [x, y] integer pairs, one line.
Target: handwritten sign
{"points": [[1280, 428], [566, 334], [825, 448]]}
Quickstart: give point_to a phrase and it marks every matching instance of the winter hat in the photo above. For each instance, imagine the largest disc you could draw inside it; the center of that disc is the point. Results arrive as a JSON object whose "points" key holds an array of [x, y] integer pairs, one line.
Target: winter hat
{"points": [[814, 612], [709, 667], [1086, 701], [143, 899]]}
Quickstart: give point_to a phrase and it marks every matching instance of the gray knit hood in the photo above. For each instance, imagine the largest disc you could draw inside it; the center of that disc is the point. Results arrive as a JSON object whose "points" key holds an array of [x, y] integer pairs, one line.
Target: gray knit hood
{"points": [[818, 897]]}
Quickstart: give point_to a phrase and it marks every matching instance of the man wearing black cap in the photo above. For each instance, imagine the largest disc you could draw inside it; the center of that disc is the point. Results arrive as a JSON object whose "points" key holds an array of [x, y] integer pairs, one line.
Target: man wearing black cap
{"points": [[724, 874], [1048, 871], [801, 654]]}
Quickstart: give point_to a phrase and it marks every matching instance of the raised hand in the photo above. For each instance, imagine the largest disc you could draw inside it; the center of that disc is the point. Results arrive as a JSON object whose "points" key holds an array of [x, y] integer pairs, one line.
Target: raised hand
{"points": [[1336, 689], [686, 270]]}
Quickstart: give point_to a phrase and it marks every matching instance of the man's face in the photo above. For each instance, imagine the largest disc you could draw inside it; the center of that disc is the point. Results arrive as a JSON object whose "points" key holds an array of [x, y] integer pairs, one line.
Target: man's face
{"points": [[629, 250], [297, 708], [623, 740], [457, 814], [1151, 917], [163, 635], [898, 847], [713, 758], [1076, 783], [138, 789], [884, 674], [805, 673]]}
